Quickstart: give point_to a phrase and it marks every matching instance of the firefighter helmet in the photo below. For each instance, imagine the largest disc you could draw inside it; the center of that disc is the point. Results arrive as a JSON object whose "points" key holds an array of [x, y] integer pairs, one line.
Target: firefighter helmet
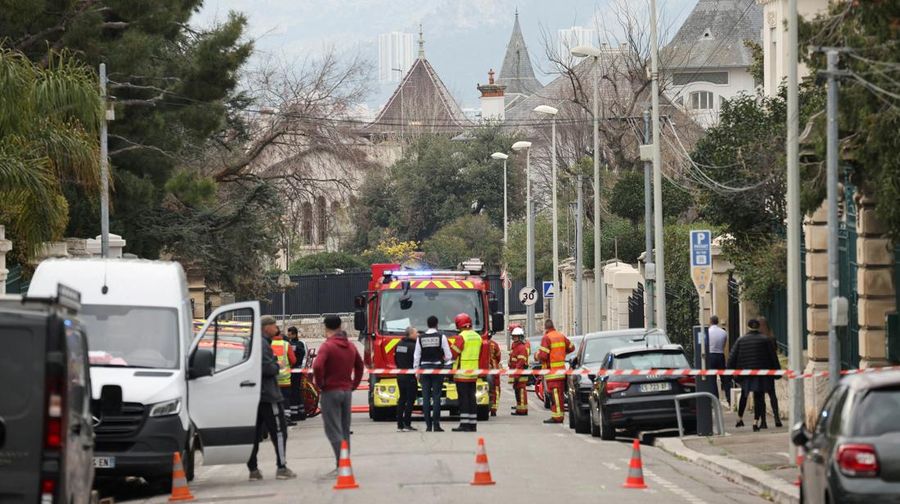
{"points": [[463, 321], [516, 330]]}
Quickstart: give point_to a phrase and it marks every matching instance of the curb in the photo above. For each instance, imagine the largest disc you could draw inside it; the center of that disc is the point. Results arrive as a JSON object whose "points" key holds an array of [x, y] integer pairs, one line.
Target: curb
{"points": [[778, 490]]}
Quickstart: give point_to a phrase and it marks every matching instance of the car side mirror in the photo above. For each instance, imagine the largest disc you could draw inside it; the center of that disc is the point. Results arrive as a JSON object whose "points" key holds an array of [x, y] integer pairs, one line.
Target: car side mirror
{"points": [[497, 322], [573, 361], [359, 301], [493, 304], [359, 321], [800, 435], [202, 364]]}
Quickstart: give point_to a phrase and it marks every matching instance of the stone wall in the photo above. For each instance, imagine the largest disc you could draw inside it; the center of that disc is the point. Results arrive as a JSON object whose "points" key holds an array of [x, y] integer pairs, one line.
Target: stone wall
{"points": [[815, 228], [875, 282]]}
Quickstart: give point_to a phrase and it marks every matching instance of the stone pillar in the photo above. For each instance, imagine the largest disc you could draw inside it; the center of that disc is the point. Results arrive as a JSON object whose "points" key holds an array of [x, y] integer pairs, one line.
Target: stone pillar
{"points": [[51, 250], [875, 283], [816, 240], [116, 245], [564, 318], [5, 246]]}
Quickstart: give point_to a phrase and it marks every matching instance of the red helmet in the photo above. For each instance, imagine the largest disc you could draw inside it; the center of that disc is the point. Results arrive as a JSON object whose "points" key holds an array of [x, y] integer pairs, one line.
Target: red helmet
{"points": [[463, 321]]}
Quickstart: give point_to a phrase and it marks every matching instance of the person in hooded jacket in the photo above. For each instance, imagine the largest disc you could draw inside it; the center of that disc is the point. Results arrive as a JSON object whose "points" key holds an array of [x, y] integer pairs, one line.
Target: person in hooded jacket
{"points": [[753, 351]]}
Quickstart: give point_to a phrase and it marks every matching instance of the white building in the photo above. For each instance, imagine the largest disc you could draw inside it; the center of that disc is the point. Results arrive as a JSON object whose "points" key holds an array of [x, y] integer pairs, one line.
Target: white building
{"points": [[575, 36], [396, 53], [774, 37], [707, 62]]}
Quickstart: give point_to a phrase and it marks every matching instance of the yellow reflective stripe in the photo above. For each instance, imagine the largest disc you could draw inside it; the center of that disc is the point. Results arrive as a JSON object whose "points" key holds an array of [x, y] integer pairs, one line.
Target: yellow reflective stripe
{"points": [[454, 284], [391, 344], [543, 349], [557, 364], [560, 344], [439, 284], [423, 284], [469, 284], [522, 357], [395, 284]]}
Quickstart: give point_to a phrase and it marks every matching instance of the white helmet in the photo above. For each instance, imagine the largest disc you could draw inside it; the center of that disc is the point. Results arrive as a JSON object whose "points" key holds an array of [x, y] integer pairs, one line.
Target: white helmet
{"points": [[518, 331]]}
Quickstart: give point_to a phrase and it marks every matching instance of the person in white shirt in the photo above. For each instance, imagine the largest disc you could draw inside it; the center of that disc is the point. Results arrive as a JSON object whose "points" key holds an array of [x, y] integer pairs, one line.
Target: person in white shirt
{"points": [[718, 339], [432, 352]]}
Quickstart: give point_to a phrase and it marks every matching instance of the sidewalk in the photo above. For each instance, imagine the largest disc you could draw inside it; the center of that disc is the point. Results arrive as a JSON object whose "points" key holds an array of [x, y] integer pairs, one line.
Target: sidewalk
{"points": [[757, 460]]}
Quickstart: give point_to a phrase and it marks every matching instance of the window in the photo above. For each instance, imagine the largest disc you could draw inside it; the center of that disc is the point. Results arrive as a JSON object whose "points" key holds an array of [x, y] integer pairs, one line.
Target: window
{"points": [[828, 410], [229, 339], [306, 222], [701, 100], [131, 336], [321, 220], [653, 360], [877, 413], [399, 310]]}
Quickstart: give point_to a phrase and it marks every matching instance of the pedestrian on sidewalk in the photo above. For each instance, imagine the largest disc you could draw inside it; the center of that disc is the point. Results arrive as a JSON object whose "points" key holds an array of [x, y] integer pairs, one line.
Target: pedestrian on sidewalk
{"points": [[270, 412], [718, 338], [404, 358], [338, 369], [432, 352], [295, 399], [766, 329], [753, 351]]}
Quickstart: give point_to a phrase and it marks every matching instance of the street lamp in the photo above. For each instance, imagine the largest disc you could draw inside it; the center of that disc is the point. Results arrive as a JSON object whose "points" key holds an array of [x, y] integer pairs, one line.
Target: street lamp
{"points": [[529, 232], [505, 279], [593, 52], [551, 111]]}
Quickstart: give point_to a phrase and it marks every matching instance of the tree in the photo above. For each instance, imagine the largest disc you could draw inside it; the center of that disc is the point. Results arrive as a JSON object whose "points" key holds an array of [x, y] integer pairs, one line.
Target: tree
{"points": [[515, 254], [49, 118], [326, 262], [466, 237], [627, 198]]}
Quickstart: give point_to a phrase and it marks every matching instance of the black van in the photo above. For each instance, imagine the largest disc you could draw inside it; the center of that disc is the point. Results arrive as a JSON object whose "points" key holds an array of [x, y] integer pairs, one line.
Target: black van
{"points": [[46, 433]]}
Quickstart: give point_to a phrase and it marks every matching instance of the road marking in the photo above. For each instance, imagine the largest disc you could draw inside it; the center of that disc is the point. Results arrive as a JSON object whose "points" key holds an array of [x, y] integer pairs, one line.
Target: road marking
{"points": [[610, 466]]}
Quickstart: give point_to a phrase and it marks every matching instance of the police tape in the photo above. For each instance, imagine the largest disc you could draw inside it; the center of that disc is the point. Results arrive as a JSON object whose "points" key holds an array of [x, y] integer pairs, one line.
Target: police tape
{"points": [[790, 374]]}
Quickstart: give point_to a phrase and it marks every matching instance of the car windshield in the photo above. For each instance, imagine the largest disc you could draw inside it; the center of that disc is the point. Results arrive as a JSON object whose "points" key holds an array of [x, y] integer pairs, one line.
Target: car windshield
{"points": [[877, 413], [596, 348], [652, 360], [399, 311], [131, 336]]}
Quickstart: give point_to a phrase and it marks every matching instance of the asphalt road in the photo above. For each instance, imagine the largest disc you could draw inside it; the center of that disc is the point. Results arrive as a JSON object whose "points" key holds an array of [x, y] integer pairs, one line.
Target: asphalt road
{"points": [[530, 462]]}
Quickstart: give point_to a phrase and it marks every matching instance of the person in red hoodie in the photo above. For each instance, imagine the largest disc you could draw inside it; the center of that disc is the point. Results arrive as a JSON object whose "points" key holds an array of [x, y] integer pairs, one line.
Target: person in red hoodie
{"points": [[338, 369]]}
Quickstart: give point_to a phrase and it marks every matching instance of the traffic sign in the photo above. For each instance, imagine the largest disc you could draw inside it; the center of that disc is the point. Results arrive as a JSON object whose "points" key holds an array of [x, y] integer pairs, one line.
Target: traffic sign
{"points": [[528, 296], [504, 279], [701, 260], [549, 289]]}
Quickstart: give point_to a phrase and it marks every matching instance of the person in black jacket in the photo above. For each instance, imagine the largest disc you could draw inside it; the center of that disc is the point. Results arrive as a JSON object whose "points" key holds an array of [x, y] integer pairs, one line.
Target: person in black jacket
{"points": [[295, 401], [406, 384], [753, 351], [270, 413]]}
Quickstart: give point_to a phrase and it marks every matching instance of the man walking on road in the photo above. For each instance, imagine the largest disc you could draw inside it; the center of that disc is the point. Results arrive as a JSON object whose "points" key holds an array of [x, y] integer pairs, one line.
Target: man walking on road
{"points": [[471, 356], [284, 354], [552, 353], [518, 359], [432, 352], [718, 338], [406, 384], [338, 369], [270, 413]]}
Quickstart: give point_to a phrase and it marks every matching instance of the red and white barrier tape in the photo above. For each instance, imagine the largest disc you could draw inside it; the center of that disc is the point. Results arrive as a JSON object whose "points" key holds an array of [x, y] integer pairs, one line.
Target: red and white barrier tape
{"points": [[790, 374]]}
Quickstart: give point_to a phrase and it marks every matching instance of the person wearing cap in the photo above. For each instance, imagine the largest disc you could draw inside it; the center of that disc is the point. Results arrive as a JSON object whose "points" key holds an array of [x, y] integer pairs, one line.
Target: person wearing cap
{"points": [[753, 351], [270, 412], [518, 359]]}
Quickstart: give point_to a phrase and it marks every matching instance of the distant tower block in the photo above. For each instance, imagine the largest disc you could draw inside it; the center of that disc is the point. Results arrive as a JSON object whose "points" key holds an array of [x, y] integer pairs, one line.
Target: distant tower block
{"points": [[492, 100]]}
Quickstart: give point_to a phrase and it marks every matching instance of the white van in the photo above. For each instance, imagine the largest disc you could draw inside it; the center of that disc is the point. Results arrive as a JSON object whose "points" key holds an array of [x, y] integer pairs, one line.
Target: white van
{"points": [[157, 389]]}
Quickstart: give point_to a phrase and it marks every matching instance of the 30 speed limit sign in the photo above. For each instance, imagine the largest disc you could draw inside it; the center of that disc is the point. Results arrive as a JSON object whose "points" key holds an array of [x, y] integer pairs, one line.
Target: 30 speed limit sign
{"points": [[528, 296]]}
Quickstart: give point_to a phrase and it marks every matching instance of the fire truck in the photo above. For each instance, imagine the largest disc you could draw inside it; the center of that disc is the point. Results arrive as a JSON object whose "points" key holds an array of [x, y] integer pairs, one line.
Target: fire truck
{"points": [[397, 299]]}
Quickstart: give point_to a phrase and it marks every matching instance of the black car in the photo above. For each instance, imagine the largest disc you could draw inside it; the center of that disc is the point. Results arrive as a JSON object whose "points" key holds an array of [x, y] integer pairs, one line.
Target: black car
{"points": [[641, 403], [590, 355], [853, 453]]}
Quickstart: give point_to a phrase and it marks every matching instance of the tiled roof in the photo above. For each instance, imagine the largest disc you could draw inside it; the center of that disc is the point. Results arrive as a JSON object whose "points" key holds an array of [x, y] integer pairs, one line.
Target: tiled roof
{"points": [[713, 35], [517, 74]]}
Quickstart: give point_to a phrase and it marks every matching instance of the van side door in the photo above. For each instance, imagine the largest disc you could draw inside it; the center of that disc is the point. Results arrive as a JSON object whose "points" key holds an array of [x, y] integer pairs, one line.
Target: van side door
{"points": [[224, 382]]}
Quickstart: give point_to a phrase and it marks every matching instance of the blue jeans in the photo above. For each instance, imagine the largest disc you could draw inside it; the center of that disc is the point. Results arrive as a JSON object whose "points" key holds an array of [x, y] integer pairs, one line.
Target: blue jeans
{"points": [[432, 386]]}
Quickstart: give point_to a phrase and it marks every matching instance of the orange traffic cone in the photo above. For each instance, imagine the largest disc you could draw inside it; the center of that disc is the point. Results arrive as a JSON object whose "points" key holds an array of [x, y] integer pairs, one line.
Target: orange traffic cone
{"points": [[345, 479], [482, 470], [635, 477], [180, 491]]}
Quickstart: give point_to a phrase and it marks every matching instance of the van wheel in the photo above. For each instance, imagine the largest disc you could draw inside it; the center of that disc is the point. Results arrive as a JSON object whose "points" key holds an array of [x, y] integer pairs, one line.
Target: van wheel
{"points": [[187, 460]]}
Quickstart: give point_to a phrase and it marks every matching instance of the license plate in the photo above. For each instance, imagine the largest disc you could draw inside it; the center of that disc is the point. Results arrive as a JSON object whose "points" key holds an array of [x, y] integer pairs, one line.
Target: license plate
{"points": [[105, 462], [656, 387]]}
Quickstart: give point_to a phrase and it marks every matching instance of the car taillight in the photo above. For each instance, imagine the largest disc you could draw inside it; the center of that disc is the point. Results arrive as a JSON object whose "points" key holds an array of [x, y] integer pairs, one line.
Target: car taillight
{"points": [[48, 488], [615, 386], [687, 381], [53, 426], [858, 460]]}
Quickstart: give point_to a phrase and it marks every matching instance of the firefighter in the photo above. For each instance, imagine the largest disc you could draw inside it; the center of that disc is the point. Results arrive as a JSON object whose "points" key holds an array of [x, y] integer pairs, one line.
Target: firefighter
{"points": [[552, 354], [494, 358], [518, 359], [284, 354], [468, 348]]}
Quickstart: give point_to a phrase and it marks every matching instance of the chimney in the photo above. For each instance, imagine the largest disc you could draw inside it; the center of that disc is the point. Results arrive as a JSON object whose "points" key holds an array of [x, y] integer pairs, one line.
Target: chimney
{"points": [[493, 104]]}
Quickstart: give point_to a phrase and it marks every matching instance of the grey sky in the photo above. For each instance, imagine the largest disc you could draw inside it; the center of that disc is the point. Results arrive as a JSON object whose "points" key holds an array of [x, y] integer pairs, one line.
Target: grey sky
{"points": [[463, 38]]}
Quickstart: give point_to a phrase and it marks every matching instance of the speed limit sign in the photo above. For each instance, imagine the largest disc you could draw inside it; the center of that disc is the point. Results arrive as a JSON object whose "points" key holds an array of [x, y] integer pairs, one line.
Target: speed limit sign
{"points": [[528, 296]]}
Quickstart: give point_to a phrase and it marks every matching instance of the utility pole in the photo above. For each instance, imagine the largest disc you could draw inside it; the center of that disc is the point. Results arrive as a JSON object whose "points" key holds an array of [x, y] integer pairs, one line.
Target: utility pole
{"points": [[104, 169], [579, 255], [657, 176], [648, 230], [555, 277], [530, 228], [794, 224], [598, 243]]}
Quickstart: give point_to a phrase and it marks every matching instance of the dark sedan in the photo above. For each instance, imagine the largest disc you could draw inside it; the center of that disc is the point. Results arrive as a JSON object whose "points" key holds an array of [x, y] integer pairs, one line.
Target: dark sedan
{"points": [[590, 355], [853, 453], [641, 402]]}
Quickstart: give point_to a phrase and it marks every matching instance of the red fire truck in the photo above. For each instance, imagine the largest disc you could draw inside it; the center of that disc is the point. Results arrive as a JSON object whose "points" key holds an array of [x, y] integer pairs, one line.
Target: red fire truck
{"points": [[397, 299]]}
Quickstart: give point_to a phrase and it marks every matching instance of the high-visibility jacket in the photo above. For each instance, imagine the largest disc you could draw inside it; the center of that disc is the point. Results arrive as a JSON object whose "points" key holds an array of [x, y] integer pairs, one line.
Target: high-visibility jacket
{"points": [[283, 353], [494, 354], [518, 359], [470, 355], [552, 353]]}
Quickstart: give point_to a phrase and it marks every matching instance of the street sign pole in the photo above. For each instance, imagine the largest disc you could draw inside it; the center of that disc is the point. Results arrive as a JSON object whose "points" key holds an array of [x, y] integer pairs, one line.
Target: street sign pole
{"points": [[701, 274]]}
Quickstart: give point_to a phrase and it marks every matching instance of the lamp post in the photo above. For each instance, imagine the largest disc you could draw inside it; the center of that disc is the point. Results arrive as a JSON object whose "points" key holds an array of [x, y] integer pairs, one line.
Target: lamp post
{"points": [[660, 258], [551, 111], [505, 279], [529, 232], [593, 52]]}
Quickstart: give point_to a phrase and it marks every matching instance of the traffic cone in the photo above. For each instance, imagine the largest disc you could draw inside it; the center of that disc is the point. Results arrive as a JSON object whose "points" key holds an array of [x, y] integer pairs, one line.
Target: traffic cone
{"points": [[345, 479], [482, 470], [635, 477], [180, 491]]}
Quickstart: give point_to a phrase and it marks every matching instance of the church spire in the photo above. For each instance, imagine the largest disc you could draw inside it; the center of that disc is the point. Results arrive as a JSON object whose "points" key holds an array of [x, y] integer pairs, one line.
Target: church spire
{"points": [[421, 43], [516, 73]]}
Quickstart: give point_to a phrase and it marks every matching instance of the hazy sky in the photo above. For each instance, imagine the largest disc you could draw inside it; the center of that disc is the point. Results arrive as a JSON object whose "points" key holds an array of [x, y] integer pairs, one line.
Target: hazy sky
{"points": [[463, 38]]}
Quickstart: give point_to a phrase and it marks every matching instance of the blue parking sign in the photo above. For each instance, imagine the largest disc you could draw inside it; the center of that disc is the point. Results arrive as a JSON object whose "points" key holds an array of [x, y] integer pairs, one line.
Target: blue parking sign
{"points": [[701, 248], [549, 289]]}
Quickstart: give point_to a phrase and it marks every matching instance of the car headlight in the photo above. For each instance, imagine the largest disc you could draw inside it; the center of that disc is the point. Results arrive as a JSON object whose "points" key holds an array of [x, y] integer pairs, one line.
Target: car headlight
{"points": [[385, 392], [166, 408], [480, 390]]}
